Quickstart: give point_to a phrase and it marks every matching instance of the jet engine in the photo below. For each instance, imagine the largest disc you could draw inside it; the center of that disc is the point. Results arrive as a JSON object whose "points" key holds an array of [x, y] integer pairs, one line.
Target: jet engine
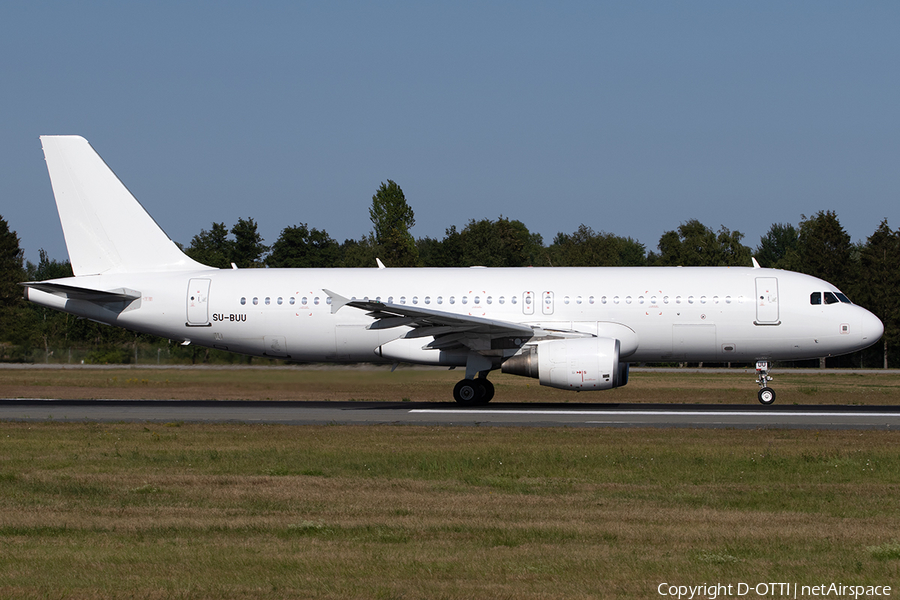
{"points": [[571, 364]]}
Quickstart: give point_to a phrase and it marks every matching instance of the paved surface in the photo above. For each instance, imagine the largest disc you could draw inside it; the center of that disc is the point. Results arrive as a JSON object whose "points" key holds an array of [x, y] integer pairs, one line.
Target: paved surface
{"points": [[500, 414]]}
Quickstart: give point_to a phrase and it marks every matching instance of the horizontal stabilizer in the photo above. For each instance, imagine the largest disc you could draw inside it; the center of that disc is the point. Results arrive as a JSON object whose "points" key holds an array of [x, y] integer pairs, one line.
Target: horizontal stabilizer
{"points": [[79, 293]]}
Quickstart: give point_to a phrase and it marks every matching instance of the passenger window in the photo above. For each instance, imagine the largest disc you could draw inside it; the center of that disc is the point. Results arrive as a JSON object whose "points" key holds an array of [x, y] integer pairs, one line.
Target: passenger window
{"points": [[514, 300], [427, 299], [255, 301], [501, 300], [291, 300], [243, 301], [815, 298], [440, 299], [830, 298], [280, 301]]}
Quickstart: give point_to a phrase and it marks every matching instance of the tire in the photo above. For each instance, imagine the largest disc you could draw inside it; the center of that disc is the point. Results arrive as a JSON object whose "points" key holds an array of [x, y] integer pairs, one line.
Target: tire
{"points": [[468, 392], [487, 390], [766, 396]]}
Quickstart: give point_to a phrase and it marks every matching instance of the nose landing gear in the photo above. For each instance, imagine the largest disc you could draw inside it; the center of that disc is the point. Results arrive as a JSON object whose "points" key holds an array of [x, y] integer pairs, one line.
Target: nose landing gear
{"points": [[766, 394]]}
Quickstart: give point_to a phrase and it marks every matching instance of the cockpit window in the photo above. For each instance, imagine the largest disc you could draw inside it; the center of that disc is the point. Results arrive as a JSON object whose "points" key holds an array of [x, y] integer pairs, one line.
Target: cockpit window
{"points": [[843, 298], [815, 298], [830, 298]]}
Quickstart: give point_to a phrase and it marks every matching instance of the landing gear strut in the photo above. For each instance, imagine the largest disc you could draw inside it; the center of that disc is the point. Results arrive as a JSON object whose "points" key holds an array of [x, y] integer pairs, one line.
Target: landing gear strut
{"points": [[473, 392], [766, 394]]}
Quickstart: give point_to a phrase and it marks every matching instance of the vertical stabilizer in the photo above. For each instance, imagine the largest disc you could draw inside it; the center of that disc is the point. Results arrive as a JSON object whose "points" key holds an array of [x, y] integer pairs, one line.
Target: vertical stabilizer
{"points": [[106, 228]]}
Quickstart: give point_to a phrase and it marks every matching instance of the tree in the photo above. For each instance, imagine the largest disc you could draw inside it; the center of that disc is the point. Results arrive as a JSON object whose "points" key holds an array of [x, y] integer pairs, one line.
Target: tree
{"points": [[392, 219], [216, 249], [51, 327], [299, 246], [358, 253], [780, 248], [12, 305], [47, 268], [825, 249], [248, 249], [447, 252], [212, 248], [430, 251], [694, 244], [587, 248], [500, 243], [878, 268]]}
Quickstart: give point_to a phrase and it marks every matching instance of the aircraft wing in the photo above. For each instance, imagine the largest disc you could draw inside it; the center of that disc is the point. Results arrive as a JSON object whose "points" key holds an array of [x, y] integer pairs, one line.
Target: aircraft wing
{"points": [[449, 330]]}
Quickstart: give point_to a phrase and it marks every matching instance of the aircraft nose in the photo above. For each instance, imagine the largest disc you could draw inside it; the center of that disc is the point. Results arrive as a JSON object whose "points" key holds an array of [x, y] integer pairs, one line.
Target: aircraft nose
{"points": [[871, 327]]}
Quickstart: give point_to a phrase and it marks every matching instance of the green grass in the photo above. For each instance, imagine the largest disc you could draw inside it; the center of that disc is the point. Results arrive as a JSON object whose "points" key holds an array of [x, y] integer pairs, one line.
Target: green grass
{"points": [[235, 511], [428, 385]]}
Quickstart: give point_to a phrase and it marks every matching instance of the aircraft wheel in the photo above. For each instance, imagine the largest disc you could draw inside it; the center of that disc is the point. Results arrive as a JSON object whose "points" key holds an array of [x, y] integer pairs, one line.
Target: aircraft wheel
{"points": [[488, 390], [766, 395], [468, 392]]}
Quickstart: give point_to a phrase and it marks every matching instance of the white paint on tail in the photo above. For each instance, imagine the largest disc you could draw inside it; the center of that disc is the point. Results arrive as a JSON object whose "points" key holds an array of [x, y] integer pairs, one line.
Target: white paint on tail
{"points": [[106, 228]]}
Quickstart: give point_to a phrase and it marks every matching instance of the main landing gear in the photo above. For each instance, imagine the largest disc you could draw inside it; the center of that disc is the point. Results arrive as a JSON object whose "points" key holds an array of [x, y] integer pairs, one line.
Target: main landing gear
{"points": [[766, 394], [473, 392]]}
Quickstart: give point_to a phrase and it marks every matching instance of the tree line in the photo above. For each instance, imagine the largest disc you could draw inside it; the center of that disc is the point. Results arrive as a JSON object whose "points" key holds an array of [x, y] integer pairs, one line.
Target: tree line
{"points": [[867, 271]]}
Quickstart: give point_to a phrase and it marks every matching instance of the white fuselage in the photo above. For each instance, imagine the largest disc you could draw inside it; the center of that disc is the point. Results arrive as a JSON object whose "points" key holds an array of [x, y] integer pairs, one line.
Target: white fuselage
{"points": [[657, 313]]}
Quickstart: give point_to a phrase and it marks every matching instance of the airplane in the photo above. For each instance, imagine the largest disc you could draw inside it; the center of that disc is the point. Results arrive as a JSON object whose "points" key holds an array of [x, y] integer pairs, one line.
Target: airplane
{"points": [[572, 328]]}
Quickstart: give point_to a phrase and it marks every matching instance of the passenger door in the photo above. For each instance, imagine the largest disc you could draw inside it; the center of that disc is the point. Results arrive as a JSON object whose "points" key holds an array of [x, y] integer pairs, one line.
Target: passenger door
{"points": [[767, 301], [198, 303]]}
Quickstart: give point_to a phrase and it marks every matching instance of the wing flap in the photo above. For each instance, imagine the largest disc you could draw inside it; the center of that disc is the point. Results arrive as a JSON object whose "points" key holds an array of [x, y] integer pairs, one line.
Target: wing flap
{"points": [[449, 330]]}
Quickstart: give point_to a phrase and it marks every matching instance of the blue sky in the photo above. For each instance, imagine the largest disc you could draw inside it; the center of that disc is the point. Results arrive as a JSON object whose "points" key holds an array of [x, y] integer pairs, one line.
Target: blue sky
{"points": [[629, 117]]}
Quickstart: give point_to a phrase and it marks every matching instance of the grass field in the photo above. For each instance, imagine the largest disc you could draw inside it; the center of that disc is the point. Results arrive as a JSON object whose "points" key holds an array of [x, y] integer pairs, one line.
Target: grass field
{"points": [[196, 511], [428, 385]]}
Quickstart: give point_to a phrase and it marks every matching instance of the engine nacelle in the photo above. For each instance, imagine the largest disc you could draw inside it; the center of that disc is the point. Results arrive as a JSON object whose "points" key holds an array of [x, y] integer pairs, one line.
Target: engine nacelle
{"points": [[572, 364]]}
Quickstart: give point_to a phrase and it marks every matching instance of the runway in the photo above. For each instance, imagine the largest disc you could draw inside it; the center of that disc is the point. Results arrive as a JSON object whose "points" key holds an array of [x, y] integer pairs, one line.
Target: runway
{"points": [[447, 414]]}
